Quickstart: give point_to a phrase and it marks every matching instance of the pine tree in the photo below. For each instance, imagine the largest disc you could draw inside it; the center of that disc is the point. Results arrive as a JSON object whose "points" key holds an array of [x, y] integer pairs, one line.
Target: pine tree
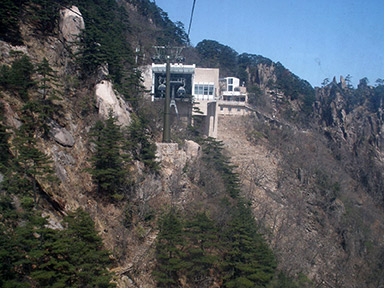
{"points": [[4, 148], [10, 12], [8, 255], [88, 258], [34, 163], [91, 54], [202, 252], [48, 83], [5, 154], [32, 254], [132, 87], [195, 129], [104, 39], [248, 261], [18, 78], [108, 170], [141, 146], [169, 254], [213, 156], [48, 89], [44, 14]]}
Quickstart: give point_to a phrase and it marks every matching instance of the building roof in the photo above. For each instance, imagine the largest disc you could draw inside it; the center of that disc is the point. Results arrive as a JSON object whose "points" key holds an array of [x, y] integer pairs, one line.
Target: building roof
{"points": [[175, 68]]}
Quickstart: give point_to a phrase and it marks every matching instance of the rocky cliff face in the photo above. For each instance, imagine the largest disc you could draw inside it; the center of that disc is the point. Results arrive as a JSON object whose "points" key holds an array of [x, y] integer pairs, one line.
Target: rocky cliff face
{"points": [[305, 217], [129, 238], [316, 188], [352, 119], [315, 181], [262, 75]]}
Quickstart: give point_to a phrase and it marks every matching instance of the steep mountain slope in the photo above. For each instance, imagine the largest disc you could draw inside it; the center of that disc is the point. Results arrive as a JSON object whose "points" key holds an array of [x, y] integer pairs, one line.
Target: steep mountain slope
{"points": [[75, 138], [306, 185], [309, 164], [61, 131]]}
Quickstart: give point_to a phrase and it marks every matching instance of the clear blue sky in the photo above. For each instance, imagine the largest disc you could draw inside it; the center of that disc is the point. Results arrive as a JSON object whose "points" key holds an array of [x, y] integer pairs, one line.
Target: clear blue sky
{"points": [[314, 39]]}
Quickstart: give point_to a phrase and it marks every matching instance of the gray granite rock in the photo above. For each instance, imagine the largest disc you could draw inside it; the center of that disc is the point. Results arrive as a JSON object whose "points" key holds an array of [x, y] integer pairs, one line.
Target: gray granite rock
{"points": [[63, 137]]}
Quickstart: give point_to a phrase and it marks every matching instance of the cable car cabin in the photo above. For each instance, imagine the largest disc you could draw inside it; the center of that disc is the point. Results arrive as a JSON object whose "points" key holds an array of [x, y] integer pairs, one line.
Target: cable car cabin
{"points": [[180, 81]]}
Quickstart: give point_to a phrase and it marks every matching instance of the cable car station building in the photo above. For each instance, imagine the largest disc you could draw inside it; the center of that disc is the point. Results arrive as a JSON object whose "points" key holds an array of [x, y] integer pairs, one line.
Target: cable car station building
{"points": [[233, 97], [197, 92]]}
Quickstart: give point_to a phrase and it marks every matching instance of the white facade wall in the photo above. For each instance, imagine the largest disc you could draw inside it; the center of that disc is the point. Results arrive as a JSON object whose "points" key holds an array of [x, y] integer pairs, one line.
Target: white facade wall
{"points": [[229, 84], [206, 84], [233, 97]]}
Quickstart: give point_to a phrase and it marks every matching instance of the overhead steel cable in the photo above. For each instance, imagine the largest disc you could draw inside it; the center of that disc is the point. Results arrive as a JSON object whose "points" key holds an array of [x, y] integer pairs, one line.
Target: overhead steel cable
{"points": [[57, 2], [190, 21]]}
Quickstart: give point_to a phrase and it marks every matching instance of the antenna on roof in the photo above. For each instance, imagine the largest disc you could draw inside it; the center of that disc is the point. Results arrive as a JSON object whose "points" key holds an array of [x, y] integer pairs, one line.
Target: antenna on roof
{"points": [[165, 52]]}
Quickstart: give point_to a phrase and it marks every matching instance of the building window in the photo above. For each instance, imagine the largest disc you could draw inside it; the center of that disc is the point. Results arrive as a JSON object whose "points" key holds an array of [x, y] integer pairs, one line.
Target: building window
{"points": [[221, 108], [230, 109], [211, 89], [200, 90], [204, 89], [230, 81]]}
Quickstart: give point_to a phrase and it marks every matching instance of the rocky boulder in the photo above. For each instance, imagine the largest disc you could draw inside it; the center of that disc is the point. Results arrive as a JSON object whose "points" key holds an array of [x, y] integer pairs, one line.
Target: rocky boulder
{"points": [[107, 100], [63, 137], [171, 157], [174, 159], [192, 149], [71, 24]]}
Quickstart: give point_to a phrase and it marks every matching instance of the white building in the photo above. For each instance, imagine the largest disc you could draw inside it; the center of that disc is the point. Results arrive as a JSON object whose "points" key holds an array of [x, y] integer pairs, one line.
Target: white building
{"points": [[201, 87], [208, 94], [205, 95], [233, 98]]}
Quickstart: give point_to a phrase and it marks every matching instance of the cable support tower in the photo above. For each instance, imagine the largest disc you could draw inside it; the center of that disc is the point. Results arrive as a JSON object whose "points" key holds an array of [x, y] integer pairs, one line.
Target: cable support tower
{"points": [[168, 54]]}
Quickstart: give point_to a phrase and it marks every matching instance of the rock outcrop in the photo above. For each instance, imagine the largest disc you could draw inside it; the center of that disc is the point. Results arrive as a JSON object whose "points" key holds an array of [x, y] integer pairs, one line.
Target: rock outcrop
{"points": [[6, 48], [192, 149], [71, 25], [174, 159], [301, 211], [63, 137], [107, 100], [347, 117]]}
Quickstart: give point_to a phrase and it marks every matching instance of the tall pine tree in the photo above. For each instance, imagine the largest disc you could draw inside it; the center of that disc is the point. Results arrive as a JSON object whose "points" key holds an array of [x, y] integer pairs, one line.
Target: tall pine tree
{"points": [[141, 146], [213, 155], [18, 77], [33, 162], [169, 254], [48, 85], [108, 170], [202, 252], [48, 82], [249, 262]]}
